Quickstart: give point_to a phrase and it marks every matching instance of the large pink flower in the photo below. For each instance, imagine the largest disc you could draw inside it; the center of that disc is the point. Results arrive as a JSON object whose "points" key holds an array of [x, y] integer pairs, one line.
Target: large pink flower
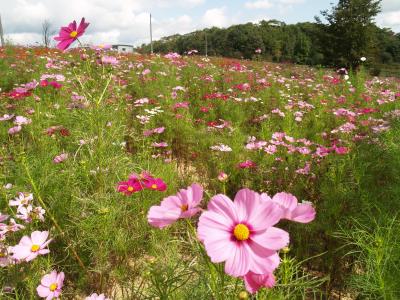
{"points": [[292, 210], [51, 285], [30, 247], [68, 35], [240, 233], [254, 282], [183, 205]]}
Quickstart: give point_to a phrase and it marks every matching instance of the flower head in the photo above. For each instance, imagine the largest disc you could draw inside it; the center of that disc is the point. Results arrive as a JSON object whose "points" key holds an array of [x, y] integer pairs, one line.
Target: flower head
{"points": [[155, 184], [68, 35], [132, 185], [51, 285], [182, 205], [254, 282], [241, 233], [30, 247]]}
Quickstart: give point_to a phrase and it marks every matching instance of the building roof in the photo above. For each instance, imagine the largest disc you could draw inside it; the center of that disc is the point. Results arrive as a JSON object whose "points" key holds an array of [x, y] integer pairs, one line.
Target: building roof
{"points": [[123, 45]]}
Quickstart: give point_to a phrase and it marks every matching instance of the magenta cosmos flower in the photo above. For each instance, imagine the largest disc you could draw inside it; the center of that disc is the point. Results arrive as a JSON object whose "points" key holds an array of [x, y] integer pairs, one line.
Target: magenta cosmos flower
{"points": [[51, 285], [254, 282], [292, 210], [182, 205], [132, 185], [155, 184], [30, 247], [68, 35], [240, 233]]}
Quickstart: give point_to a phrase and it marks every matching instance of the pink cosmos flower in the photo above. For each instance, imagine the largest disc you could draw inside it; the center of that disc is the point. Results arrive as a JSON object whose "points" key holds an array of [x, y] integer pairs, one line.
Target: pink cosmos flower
{"points": [[160, 145], [182, 205], [254, 282], [30, 247], [248, 164], [60, 158], [14, 130], [68, 35], [241, 233], [132, 185], [94, 296], [21, 200], [6, 117], [222, 176], [292, 210], [110, 60], [51, 285]]}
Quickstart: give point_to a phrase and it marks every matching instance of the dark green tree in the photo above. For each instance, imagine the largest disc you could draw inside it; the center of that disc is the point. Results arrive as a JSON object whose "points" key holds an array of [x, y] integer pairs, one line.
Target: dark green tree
{"points": [[349, 32]]}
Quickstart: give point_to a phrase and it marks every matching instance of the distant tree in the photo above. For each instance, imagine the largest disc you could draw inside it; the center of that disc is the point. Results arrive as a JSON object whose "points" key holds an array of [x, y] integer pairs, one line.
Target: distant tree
{"points": [[349, 32], [47, 32]]}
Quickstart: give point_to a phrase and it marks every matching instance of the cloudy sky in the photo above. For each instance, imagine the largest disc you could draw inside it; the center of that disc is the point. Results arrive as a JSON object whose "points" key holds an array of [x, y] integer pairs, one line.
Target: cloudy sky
{"points": [[127, 21]]}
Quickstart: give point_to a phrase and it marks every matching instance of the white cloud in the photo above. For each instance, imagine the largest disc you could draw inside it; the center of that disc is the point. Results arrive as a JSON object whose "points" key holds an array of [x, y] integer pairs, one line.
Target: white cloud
{"points": [[261, 4], [390, 19], [390, 5], [291, 2], [216, 17]]}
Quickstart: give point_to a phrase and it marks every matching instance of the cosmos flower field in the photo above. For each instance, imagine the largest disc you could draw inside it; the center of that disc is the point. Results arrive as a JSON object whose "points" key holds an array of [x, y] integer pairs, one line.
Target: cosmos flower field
{"points": [[186, 177]]}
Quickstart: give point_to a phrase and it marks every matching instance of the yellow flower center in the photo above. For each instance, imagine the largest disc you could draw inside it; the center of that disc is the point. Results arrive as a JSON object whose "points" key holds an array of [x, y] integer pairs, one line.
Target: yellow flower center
{"points": [[154, 186], [35, 248], [184, 207], [131, 188], [73, 34], [53, 287], [241, 232]]}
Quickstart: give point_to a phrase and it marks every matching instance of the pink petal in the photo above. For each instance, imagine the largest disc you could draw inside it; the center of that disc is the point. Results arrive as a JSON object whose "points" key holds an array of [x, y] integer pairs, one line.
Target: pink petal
{"points": [[210, 222], [273, 238], [246, 203], [20, 252], [223, 206], [254, 282], [39, 237], [266, 215], [303, 213], [197, 191], [60, 280], [259, 262], [42, 291], [238, 262], [171, 202], [286, 200], [161, 217], [219, 246]]}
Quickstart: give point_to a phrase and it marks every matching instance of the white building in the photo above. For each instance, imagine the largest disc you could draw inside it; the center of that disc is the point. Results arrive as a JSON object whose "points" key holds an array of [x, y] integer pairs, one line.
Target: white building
{"points": [[123, 48]]}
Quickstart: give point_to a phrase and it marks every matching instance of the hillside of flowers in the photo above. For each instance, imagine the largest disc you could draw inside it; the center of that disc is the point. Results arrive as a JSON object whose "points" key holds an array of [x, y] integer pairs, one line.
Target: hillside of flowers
{"points": [[125, 176]]}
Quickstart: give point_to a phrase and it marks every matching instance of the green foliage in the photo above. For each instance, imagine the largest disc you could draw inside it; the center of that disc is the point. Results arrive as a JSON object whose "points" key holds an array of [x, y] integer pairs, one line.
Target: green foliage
{"points": [[350, 31]]}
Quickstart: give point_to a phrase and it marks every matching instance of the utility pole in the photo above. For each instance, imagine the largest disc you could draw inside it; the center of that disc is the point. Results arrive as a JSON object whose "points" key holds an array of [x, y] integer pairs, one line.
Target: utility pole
{"points": [[1, 34], [205, 33], [151, 37]]}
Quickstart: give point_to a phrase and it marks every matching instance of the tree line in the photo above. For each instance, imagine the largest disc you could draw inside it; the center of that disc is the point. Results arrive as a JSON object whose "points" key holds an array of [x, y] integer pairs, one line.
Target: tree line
{"points": [[339, 37]]}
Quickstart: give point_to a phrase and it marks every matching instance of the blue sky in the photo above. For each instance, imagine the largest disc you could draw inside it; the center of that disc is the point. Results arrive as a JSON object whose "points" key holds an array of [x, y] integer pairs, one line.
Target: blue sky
{"points": [[126, 21]]}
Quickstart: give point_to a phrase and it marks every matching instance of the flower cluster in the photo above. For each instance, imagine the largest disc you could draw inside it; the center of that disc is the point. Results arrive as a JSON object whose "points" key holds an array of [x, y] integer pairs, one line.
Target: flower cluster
{"points": [[136, 183]]}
